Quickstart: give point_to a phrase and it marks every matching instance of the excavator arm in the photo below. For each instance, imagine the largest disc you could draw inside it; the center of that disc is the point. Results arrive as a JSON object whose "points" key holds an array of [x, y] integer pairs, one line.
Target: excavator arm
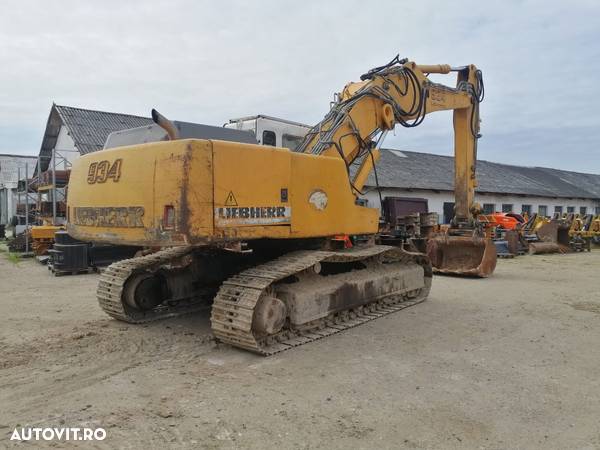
{"points": [[401, 93]]}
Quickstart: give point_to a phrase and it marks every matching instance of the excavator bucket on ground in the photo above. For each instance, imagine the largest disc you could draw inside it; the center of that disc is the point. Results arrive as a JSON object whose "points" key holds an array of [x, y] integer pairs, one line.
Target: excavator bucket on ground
{"points": [[553, 238], [462, 255]]}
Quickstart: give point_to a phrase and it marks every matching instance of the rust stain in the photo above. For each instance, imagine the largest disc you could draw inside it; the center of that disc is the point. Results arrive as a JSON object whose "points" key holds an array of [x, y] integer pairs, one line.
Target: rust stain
{"points": [[154, 224], [184, 207]]}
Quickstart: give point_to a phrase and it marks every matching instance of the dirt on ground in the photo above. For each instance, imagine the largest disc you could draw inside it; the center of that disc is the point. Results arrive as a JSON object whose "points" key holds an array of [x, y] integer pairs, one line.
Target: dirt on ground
{"points": [[509, 362]]}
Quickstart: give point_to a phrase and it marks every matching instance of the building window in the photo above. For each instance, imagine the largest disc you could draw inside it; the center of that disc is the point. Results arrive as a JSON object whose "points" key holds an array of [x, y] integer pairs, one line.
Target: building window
{"points": [[507, 207], [526, 209], [268, 138], [583, 210], [558, 210], [448, 211], [489, 208], [597, 210], [543, 210], [570, 209]]}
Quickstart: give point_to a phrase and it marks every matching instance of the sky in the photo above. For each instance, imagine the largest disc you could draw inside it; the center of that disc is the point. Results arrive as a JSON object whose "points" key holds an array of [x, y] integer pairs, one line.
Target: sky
{"points": [[209, 61]]}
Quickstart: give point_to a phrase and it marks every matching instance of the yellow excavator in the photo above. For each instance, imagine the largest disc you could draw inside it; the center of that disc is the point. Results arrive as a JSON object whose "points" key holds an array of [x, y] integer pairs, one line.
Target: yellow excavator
{"points": [[278, 241]]}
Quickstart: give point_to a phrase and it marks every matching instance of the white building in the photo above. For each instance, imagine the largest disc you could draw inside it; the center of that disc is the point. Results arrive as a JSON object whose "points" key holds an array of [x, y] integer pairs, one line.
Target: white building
{"points": [[502, 187], [71, 132], [10, 167]]}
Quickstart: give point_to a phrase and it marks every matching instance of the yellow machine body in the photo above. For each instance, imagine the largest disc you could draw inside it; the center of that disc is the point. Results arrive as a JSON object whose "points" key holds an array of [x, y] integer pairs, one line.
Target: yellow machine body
{"points": [[42, 237], [256, 230], [201, 191], [44, 231], [198, 192]]}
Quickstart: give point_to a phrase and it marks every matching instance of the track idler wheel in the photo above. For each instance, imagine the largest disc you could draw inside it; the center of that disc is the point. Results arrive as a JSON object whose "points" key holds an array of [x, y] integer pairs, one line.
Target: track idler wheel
{"points": [[269, 316], [144, 291]]}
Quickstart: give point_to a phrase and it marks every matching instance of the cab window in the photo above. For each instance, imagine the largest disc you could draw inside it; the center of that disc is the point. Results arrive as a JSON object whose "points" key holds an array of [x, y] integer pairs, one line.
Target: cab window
{"points": [[290, 141], [268, 138]]}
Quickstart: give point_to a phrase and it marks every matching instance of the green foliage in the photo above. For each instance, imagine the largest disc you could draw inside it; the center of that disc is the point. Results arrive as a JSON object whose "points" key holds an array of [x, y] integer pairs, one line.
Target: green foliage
{"points": [[13, 258]]}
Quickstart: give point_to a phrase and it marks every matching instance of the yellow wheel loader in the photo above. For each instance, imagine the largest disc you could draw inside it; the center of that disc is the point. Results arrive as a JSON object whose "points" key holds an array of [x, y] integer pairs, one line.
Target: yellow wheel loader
{"points": [[278, 241], [594, 230], [581, 232]]}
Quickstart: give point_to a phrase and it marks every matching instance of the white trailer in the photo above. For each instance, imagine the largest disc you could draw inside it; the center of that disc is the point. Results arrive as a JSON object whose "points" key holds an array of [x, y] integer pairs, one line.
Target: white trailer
{"points": [[272, 130]]}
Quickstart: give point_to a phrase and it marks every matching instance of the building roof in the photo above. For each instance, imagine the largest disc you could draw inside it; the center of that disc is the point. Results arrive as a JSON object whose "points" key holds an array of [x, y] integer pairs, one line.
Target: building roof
{"points": [[400, 169], [415, 170], [88, 128], [10, 155], [587, 181]]}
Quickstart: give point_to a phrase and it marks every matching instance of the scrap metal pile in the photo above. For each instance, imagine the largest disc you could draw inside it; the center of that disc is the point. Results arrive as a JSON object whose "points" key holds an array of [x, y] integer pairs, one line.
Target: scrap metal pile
{"points": [[515, 235], [512, 234]]}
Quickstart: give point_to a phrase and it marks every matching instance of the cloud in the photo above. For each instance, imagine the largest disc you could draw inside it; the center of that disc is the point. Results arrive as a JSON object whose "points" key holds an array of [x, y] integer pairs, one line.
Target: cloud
{"points": [[207, 62]]}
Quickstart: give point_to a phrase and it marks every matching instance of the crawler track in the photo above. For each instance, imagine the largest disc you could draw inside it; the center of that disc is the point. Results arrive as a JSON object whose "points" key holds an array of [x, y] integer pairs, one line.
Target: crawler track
{"points": [[113, 279], [233, 307]]}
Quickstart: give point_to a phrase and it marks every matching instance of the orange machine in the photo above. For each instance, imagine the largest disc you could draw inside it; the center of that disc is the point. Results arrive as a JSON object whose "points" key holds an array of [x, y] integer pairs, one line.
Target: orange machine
{"points": [[507, 221], [497, 224]]}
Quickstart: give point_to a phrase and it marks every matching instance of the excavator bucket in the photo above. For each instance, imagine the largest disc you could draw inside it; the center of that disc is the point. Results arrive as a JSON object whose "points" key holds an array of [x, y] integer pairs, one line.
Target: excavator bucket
{"points": [[462, 255], [554, 238]]}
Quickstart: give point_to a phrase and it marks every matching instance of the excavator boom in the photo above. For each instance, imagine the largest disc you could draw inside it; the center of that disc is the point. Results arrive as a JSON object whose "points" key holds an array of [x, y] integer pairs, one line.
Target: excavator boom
{"points": [[400, 92]]}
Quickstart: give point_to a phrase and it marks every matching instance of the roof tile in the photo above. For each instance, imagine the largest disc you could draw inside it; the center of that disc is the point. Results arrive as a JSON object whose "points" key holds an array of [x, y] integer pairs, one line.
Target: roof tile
{"points": [[415, 170]]}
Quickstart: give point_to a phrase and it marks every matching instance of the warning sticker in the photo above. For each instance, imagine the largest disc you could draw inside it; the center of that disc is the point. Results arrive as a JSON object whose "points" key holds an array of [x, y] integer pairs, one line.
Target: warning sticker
{"points": [[231, 201]]}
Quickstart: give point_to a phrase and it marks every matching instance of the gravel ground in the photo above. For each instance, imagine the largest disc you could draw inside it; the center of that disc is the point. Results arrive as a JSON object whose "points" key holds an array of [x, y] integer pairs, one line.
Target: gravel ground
{"points": [[509, 362]]}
